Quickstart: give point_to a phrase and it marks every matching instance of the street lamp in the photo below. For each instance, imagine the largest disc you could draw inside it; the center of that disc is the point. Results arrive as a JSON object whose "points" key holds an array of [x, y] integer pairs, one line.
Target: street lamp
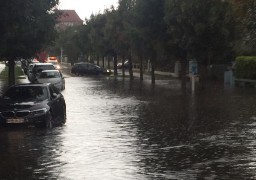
{"points": [[61, 55]]}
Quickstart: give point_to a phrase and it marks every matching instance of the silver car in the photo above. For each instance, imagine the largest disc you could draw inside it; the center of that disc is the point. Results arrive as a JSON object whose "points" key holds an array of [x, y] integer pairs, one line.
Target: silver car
{"points": [[52, 76]]}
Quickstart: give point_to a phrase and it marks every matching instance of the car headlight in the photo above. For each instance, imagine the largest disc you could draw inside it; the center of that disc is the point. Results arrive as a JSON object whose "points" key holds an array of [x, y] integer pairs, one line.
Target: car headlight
{"points": [[38, 112]]}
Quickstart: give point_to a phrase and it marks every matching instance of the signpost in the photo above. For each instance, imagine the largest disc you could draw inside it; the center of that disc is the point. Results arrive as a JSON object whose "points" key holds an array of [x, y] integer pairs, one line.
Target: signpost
{"points": [[193, 72]]}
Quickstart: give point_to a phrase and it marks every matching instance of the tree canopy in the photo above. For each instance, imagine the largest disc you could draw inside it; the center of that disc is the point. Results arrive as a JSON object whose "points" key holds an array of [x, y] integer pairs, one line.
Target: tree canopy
{"points": [[26, 27], [210, 31]]}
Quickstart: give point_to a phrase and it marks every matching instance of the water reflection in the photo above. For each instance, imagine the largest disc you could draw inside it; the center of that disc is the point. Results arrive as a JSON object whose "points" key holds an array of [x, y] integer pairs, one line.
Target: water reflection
{"points": [[28, 153]]}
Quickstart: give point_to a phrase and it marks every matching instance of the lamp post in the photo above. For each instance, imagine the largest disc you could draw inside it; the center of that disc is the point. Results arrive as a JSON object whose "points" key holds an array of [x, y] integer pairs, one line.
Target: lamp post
{"points": [[61, 55]]}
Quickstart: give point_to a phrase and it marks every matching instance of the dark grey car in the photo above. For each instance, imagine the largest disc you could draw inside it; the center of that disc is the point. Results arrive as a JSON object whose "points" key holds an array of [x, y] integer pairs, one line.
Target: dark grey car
{"points": [[41, 105], [84, 68]]}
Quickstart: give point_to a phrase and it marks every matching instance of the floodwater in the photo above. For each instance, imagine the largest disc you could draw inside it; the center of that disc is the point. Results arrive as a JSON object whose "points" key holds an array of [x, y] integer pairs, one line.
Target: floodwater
{"points": [[125, 131]]}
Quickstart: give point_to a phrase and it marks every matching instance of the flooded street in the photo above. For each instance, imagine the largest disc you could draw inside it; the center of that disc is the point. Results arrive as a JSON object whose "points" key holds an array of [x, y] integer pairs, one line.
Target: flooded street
{"points": [[124, 131]]}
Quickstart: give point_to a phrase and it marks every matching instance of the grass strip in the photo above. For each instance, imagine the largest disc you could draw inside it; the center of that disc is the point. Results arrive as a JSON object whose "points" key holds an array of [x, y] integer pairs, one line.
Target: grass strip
{"points": [[19, 74]]}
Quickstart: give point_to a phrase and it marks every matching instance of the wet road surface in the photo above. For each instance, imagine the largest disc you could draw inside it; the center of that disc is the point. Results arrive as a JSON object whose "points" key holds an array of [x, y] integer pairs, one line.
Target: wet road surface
{"points": [[121, 130]]}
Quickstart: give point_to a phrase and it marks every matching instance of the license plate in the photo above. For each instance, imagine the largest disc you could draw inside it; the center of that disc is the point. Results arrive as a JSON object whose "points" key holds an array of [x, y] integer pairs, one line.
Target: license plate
{"points": [[15, 121]]}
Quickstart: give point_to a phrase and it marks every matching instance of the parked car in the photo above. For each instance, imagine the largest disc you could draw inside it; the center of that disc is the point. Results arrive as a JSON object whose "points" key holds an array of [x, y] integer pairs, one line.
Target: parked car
{"points": [[29, 72], [37, 69], [41, 105], [56, 65], [54, 61], [84, 68], [120, 65], [52, 76]]}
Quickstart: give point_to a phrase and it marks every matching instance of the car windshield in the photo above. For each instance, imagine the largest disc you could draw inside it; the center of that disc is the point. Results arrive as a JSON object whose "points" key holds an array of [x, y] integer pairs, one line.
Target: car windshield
{"points": [[26, 93], [44, 67], [49, 75], [54, 63]]}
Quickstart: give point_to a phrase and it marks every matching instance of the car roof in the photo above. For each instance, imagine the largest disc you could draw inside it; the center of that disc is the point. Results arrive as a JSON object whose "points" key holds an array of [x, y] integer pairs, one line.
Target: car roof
{"points": [[82, 63], [31, 85], [42, 64], [53, 70]]}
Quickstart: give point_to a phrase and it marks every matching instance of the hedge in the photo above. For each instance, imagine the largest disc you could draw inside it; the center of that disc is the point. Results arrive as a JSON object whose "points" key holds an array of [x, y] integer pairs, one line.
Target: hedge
{"points": [[245, 67]]}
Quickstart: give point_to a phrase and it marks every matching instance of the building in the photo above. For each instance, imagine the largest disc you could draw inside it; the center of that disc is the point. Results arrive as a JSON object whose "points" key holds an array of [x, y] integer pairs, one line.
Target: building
{"points": [[68, 18]]}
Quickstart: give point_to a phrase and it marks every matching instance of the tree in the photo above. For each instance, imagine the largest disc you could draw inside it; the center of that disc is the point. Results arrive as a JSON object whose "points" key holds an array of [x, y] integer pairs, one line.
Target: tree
{"points": [[95, 34], [200, 29], [149, 20], [26, 27], [245, 13]]}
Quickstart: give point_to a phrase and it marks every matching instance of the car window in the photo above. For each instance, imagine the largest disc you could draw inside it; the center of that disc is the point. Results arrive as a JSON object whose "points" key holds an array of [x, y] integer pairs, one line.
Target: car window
{"points": [[91, 67], [53, 90], [27, 93], [49, 75], [40, 68]]}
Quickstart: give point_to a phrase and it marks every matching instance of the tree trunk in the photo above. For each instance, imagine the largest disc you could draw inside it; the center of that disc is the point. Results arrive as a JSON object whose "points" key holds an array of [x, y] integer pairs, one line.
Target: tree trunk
{"points": [[123, 70], [11, 76], [109, 62], [98, 60], [153, 61], [115, 65], [153, 78], [130, 68], [183, 74], [141, 69], [103, 62]]}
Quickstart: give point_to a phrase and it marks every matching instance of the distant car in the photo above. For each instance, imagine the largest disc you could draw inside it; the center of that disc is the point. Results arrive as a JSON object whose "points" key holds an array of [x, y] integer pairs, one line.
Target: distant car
{"points": [[56, 65], [41, 105], [38, 68], [84, 68], [52, 76], [54, 61], [126, 65]]}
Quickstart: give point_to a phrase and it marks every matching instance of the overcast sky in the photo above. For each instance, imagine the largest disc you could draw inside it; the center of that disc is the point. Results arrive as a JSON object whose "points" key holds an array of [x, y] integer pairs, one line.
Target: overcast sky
{"points": [[85, 8]]}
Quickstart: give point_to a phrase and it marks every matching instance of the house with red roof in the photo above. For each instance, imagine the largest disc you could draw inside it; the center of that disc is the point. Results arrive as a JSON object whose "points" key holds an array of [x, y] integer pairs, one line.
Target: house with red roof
{"points": [[68, 18]]}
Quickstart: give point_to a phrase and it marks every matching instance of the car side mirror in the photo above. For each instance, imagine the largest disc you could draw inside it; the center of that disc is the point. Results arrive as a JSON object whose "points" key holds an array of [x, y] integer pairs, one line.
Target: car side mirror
{"points": [[54, 95]]}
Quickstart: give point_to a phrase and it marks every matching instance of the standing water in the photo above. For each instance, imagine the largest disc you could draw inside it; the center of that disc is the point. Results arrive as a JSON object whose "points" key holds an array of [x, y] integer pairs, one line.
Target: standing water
{"points": [[117, 129]]}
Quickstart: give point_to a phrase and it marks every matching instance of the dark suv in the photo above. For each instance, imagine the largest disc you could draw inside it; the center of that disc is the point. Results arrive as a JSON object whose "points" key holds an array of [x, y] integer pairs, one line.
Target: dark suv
{"points": [[84, 68]]}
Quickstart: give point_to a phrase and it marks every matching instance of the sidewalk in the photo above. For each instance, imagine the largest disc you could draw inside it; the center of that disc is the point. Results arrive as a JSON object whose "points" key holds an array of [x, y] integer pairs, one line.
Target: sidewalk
{"points": [[2, 66], [160, 75]]}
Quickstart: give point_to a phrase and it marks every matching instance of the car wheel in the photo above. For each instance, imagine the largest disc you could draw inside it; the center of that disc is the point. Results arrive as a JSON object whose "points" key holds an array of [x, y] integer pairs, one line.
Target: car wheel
{"points": [[49, 122], [64, 115]]}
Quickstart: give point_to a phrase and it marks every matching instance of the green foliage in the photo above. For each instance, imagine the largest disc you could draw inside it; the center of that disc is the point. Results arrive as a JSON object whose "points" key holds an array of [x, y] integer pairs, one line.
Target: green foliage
{"points": [[26, 27], [245, 67], [18, 73], [199, 29], [149, 20], [71, 43], [183, 29]]}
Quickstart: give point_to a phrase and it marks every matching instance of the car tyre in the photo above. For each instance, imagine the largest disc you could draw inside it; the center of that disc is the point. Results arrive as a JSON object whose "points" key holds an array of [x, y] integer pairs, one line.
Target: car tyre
{"points": [[49, 122], [64, 115]]}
